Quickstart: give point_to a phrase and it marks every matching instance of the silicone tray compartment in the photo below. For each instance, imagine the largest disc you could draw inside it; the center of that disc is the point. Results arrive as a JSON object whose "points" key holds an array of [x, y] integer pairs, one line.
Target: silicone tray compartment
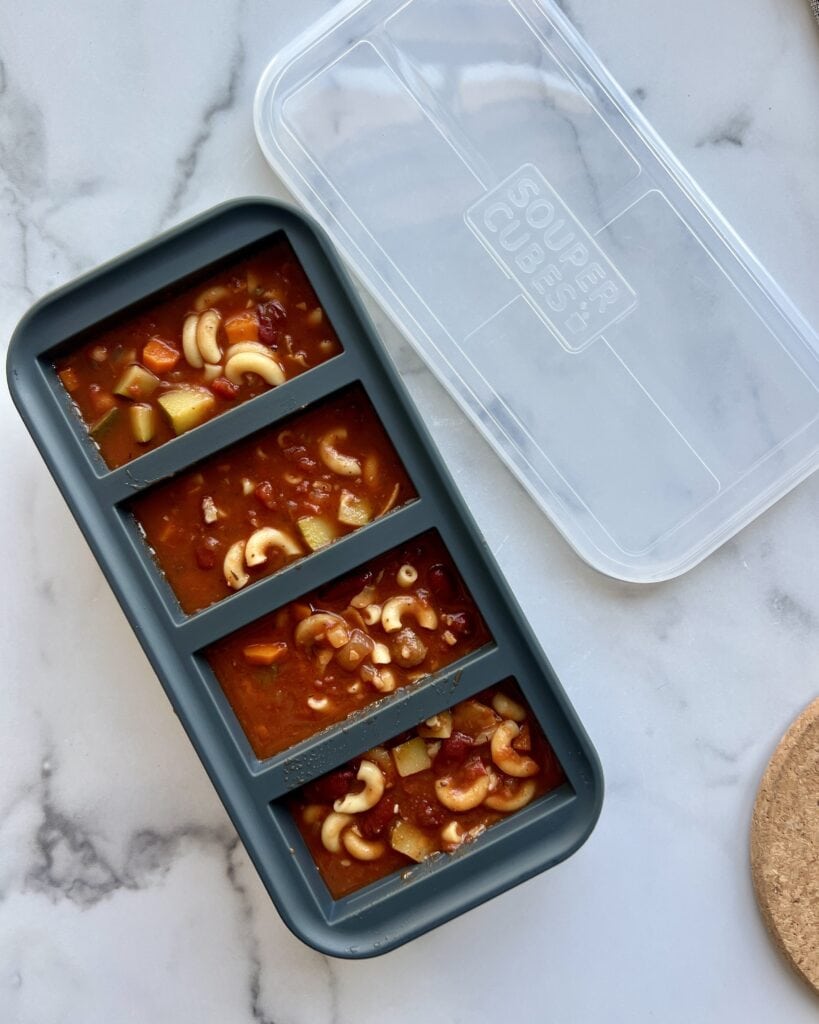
{"points": [[554, 265], [390, 912], [145, 553]]}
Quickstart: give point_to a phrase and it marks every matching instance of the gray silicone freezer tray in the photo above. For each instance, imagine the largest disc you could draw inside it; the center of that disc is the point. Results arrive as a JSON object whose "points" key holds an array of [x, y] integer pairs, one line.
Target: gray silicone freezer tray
{"points": [[402, 906]]}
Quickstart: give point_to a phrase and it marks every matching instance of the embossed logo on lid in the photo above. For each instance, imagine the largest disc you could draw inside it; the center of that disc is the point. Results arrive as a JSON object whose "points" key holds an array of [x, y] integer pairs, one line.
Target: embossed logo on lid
{"points": [[535, 237]]}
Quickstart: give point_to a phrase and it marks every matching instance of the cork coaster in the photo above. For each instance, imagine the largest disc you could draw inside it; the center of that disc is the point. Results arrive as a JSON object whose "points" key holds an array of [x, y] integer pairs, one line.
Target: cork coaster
{"points": [[785, 845]]}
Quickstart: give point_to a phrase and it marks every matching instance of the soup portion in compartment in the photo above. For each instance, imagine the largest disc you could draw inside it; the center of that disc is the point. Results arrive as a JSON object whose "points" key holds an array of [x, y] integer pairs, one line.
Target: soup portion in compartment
{"points": [[315, 661], [270, 500], [427, 791], [167, 367]]}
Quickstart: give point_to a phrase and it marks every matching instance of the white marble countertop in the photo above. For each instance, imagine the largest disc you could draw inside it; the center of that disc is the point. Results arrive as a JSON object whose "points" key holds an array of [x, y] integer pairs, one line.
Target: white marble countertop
{"points": [[124, 895]]}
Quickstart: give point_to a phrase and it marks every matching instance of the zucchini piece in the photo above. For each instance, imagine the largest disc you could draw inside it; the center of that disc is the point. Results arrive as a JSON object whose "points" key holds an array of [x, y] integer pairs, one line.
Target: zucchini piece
{"points": [[352, 510], [317, 531], [187, 408], [143, 422], [122, 356], [411, 757], [100, 427], [136, 383], [408, 839]]}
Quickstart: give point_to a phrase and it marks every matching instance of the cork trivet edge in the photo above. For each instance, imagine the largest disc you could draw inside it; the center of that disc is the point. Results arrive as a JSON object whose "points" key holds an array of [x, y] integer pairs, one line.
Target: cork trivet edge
{"points": [[785, 845]]}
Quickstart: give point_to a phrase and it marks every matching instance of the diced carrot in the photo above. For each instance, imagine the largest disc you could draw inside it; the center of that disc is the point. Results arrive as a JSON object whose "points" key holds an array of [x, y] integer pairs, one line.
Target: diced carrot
{"points": [[159, 356], [242, 327], [101, 400], [265, 654], [70, 379]]}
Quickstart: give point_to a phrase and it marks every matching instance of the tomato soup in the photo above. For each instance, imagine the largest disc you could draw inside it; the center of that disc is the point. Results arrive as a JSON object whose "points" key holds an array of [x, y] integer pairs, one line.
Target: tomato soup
{"points": [[403, 616], [161, 371], [428, 791], [244, 513]]}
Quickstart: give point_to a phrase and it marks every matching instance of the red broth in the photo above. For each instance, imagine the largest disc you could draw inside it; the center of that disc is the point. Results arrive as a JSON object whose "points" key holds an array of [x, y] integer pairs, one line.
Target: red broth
{"points": [[430, 790], [339, 649], [287, 491]]}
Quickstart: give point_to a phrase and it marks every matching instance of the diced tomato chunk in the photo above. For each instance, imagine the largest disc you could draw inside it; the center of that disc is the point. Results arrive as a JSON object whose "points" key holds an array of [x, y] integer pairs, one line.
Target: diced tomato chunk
{"points": [[427, 814], [266, 495], [523, 740], [332, 787], [473, 769], [159, 356], [453, 751], [372, 824], [224, 389]]}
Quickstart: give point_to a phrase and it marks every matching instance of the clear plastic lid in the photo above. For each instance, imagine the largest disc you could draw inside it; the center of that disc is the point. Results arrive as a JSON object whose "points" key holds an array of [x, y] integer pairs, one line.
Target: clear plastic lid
{"points": [[555, 267]]}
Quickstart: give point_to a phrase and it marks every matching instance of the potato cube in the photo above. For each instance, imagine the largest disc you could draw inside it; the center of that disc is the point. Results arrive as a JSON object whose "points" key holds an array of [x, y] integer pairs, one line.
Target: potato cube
{"points": [[136, 383], [143, 422], [188, 408], [411, 757], [408, 839], [317, 531], [352, 510]]}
